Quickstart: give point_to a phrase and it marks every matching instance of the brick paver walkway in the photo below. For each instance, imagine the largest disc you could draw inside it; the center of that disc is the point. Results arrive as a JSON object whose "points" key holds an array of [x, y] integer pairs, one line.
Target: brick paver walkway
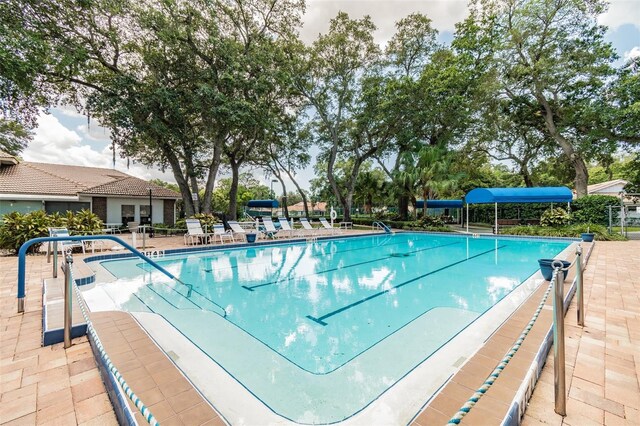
{"points": [[43, 385], [603, 358]]}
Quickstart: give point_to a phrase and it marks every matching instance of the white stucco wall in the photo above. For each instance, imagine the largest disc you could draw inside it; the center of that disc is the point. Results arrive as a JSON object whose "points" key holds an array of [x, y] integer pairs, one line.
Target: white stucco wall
{"points": [[114, 209], [611, 190]]}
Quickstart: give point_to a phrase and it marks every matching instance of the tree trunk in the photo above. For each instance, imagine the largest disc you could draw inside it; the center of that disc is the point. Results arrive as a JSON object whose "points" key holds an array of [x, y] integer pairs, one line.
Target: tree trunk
{"points": [[285, 210], [194, 190], [403, 207], [182, 182], [332, 182], [574, 157], [425, 195], [302, 194], [232, 214], [526, 175], [211, 178]]}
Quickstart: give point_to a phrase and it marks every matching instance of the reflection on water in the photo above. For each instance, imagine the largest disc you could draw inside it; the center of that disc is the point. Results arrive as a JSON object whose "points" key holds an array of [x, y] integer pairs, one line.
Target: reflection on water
{"points": [[320, 305]]}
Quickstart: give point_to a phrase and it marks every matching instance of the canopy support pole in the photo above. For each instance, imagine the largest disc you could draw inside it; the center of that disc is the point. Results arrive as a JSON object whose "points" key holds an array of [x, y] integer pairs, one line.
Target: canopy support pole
{"points": [[467, 218], [496, 217]]}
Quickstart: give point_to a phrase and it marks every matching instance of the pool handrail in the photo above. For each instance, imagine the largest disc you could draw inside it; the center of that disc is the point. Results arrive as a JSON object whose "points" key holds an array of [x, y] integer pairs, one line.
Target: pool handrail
{"points": [[24, 247], [381, 225]]}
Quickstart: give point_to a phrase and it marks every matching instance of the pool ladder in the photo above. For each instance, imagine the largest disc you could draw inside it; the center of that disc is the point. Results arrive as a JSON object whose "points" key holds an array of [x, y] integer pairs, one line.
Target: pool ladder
{"points": [[381, 225]]}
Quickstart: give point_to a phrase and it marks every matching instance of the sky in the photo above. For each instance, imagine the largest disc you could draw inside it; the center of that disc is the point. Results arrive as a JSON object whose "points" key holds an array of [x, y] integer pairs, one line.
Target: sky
{"points": [[66, 137]]}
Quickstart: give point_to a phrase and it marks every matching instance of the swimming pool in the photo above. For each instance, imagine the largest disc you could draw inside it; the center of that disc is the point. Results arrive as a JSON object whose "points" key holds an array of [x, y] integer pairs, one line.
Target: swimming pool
{"points": [[319, 331]]}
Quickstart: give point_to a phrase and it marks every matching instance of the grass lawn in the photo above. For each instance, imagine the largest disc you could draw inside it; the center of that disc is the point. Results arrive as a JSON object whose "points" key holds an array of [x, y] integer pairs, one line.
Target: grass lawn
{"points": [[627, 228]]}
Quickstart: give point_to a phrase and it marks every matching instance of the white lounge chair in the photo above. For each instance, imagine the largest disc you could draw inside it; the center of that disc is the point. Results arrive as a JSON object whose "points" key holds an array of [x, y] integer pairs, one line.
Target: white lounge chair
{"points": [[236, 229], [64, 245], [220, 232], [195, 234], [307, 229], [269, 228], [285, 227], [326, 225]]}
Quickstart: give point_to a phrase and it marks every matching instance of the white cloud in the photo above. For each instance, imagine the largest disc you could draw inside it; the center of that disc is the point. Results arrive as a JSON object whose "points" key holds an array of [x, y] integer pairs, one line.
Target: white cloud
{"points": [[633, 53], [94, 132], [621, 12], [69, 111], [384, 13], [54, 143]]}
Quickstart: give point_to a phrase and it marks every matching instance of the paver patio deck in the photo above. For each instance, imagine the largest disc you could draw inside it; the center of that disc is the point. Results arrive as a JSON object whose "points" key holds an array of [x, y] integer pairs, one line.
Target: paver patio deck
{"points": [[603, 358], [51, 385]]}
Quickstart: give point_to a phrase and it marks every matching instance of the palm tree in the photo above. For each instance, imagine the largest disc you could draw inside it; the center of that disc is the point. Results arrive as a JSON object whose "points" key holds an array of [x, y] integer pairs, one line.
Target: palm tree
{"points": [[433, 175]]}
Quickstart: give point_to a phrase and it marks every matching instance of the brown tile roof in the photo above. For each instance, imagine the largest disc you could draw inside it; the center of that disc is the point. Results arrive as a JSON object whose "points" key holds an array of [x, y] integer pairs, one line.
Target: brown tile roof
{"points": [[85, 177], [131, 186], [22, 178], [299, 207], [58, 179]]}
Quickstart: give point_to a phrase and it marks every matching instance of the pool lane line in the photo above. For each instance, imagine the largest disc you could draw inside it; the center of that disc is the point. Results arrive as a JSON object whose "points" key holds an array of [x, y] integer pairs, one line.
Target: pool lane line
{"points": [[252, 287], [373, 296]]}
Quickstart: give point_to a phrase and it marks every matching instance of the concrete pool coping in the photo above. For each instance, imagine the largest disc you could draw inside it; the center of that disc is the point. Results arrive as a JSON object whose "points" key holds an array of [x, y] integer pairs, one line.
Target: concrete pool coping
{"points": [[467, 367]]}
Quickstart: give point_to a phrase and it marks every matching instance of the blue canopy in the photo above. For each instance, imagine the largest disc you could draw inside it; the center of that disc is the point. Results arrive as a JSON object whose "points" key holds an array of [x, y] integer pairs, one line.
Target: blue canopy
{"points": [[440, 204], [548, 194], [268, 204]]}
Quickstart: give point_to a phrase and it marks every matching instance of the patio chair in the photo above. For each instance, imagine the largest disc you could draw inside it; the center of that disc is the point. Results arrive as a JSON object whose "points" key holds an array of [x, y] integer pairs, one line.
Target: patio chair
{"points": [[326, 225], [220, 232], [195, 234], [64, 245], [269, 228], [236, 229], [307, 229], [285, 227]]}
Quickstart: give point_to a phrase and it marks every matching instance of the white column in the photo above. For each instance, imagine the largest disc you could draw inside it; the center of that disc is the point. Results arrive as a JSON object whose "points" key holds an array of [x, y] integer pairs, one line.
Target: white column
{"points": [[467, 218]]}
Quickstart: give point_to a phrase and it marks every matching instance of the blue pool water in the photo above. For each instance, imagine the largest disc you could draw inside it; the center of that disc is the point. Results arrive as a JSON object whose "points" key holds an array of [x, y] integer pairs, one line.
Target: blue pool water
{"points": [[295, 323]]}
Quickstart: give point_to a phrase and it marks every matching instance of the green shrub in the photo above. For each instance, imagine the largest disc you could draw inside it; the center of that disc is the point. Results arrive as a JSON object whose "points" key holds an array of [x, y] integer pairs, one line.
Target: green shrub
{"points": [[409, 225], [571, 231], [593, 209], [554, 217], [83, 222], [431, 221], [18, 228]]}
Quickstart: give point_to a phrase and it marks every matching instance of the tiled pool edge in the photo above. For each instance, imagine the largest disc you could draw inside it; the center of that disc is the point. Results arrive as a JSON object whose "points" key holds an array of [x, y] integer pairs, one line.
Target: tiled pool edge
{"points": [[116, 395], [518, 405]]}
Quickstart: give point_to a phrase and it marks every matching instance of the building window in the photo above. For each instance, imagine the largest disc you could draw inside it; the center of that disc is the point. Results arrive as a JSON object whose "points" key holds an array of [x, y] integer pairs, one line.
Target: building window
{"points": [[145, 213], [128, 213], [65, 206]]}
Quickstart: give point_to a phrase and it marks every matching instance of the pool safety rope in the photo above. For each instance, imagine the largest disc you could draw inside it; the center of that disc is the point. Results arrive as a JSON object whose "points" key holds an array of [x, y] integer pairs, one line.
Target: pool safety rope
{"points": [[146, 413], [464, 410]]}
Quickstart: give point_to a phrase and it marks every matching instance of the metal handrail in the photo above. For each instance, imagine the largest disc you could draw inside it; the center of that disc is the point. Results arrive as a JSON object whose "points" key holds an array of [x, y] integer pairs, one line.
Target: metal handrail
{"points": [[23, 251], [559, 368], [381, 225]]}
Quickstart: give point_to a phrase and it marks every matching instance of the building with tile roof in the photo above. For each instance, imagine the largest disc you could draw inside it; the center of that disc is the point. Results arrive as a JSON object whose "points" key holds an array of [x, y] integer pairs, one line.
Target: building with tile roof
{"points": [[116, 197], [610, 187]]}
